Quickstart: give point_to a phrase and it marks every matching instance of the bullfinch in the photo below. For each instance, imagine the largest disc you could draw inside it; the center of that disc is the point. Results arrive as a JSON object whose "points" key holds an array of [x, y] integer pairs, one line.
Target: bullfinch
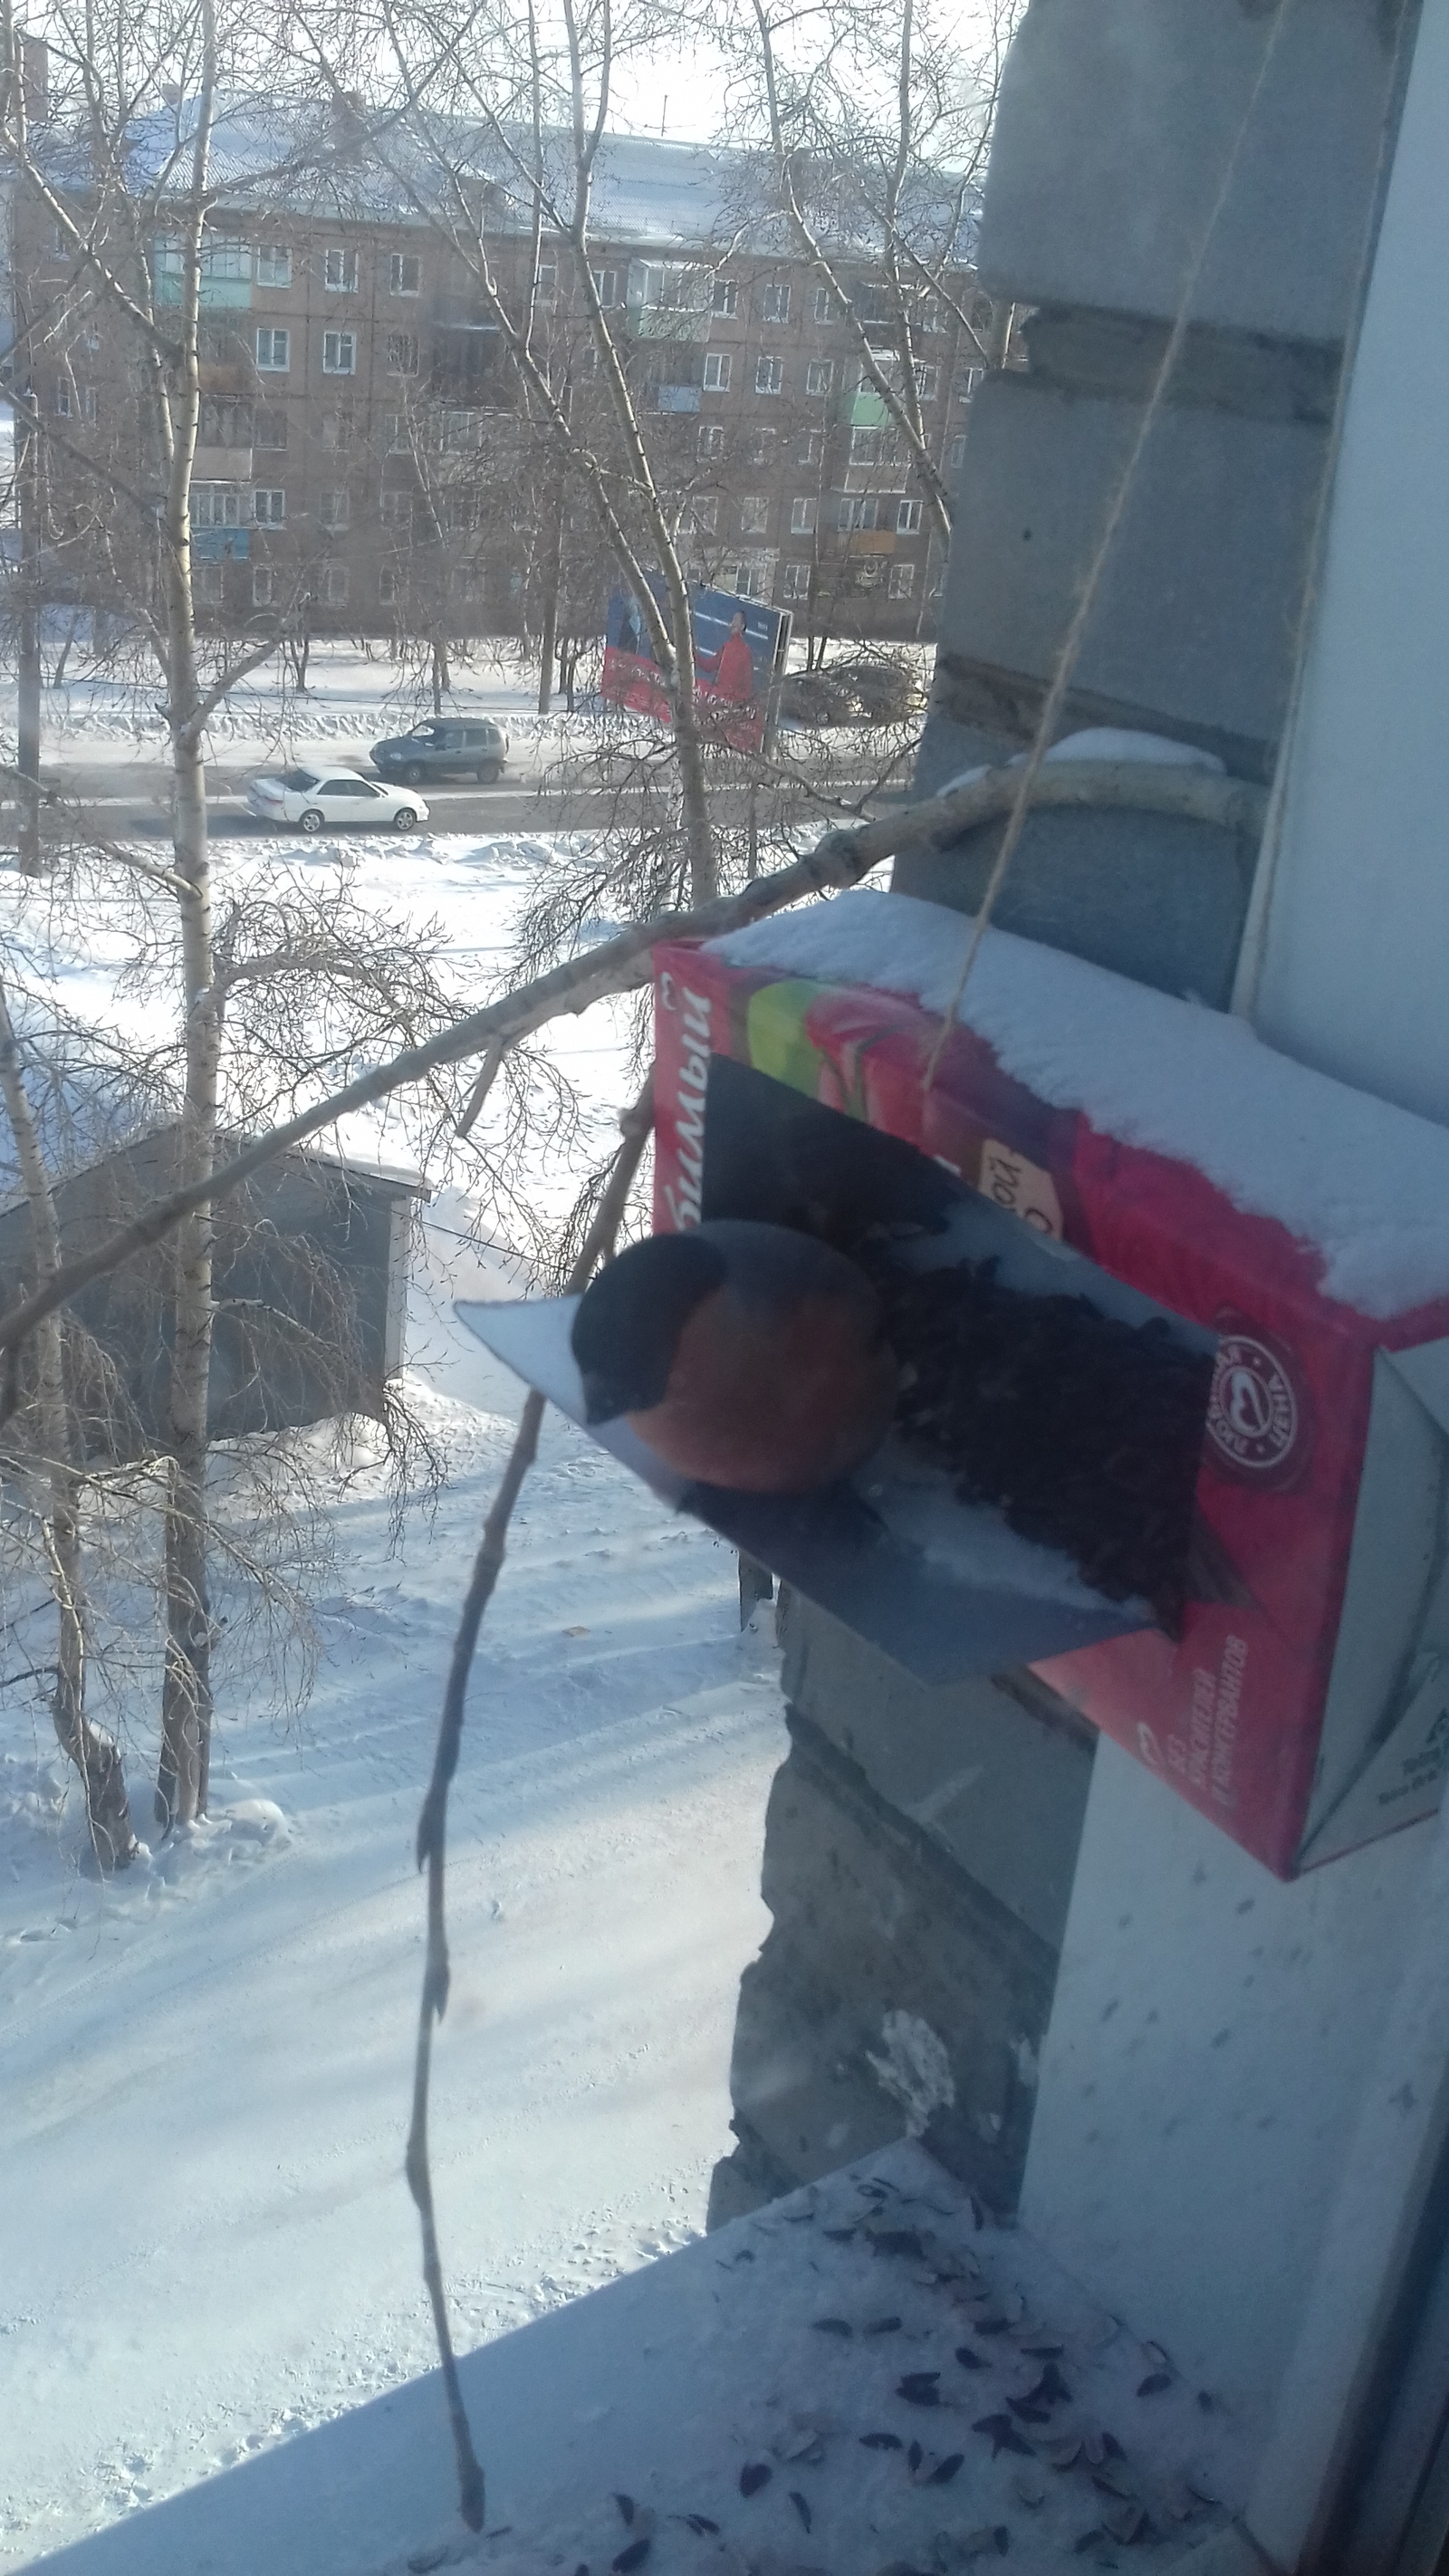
{"points": [[743, 1355]]}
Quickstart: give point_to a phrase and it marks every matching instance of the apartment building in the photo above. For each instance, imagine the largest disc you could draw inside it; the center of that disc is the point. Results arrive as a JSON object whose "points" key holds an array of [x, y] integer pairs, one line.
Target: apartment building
{"points": [[362, 443]]}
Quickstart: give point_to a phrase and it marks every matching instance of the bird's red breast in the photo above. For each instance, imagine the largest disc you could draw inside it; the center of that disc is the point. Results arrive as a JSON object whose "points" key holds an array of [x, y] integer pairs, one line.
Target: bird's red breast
{"points": [[772, 1400]]}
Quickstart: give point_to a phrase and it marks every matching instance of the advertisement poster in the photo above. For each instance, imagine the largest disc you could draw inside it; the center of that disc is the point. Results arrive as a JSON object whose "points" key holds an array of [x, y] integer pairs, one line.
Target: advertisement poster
{"points": [[739, 647]]}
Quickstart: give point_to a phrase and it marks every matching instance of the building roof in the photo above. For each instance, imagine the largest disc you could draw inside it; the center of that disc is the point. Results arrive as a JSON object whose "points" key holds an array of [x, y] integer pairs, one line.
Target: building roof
{"points": [[373, 165]]}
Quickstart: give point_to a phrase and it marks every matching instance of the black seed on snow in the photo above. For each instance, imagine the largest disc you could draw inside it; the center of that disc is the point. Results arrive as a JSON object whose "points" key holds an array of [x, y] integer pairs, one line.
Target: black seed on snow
{"points": [[625, 2504], [978, 2214], [897, 2240], [1154, 2384], [1112, 2447], [630, 2558], [801, 2507], [1028, 2414], [970, 2360], [990, 2325], [945, 2470], [914, 2457], [754, 2475], [1051, 2388], [1043, 2351], [919, 2388], [1002, 2537], [881, 2442], [838, 2235], [833, 2325], [699, 2523], [1086, 2540], [882, 2325], [1004, 2435]]}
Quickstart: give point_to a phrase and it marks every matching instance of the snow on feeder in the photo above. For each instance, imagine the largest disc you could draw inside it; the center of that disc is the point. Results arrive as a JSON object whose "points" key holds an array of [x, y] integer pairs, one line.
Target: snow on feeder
{"points": [[1089, 1136]]}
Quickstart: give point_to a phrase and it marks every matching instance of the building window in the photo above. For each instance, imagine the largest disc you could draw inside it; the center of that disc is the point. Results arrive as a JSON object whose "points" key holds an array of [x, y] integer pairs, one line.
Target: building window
{"points": [[966, 382], [908, 518], [717, 371], [90, 409], [956, 454], [824, 312], [208, 585], [339, 353], [269, 508], [264, 585], [59, 241], [216, 346], [461, 433], [274, 264], [775, 304], [274, 351], [760, 447], [402, 353], [547, 280], [223, 256], [216, 505], [929, 316], [902, 583], [334, 585], [397, 509], [769, 375], [865, 447], [797, 581], [339, 271], [332, 511], [606, 286], [701, 515], [857, 511], [396, 439], [754, 514], [405, 273], [711, 439], [870, 303], [802, 515], [64, 398], [927, 380], [819, 376], [387, 585], [337, 428], [726, 296], [810, 449], [269, 428]]}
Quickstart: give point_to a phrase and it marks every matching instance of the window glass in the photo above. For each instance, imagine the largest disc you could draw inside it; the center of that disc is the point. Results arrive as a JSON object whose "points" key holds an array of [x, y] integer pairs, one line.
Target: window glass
{"points": [[339, 353], [339, 271]]}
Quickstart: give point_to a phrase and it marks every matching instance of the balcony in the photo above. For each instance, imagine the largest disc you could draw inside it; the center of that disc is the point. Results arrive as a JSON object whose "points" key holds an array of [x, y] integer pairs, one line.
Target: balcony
{"points": [[864, 410], [677, 397]]}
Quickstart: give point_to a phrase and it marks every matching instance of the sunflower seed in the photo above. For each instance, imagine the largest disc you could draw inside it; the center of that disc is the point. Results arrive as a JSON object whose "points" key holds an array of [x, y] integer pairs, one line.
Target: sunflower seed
{"points": [[1064, 2452], [919, 2388], [970, 2360], [801, 2506], [754, 2475], [1029, 2489], [1004, 2435], [832, 2325], [881, 2442], [1127, 2524], [699, 2523], [625, 2504], [882, 2325], [423, 2561], [1155, 2383], [632, 2557]]}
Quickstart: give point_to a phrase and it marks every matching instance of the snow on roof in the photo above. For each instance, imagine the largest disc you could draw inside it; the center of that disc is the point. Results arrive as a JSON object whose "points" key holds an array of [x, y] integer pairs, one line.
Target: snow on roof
{"points": [[1362, 1182], [371, 165]]}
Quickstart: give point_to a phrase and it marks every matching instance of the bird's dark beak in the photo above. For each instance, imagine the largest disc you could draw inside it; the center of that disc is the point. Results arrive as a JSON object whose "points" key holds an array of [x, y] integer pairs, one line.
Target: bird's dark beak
{"points": [[603, 1400]]}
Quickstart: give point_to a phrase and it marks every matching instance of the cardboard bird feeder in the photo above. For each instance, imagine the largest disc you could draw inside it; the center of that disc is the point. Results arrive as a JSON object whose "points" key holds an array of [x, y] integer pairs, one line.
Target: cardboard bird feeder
{"points": [[1091, 1138]]}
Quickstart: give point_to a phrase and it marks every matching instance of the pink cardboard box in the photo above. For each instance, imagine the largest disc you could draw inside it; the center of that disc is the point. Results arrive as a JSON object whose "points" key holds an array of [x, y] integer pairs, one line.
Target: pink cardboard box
{"points": [[1305, 1709]]}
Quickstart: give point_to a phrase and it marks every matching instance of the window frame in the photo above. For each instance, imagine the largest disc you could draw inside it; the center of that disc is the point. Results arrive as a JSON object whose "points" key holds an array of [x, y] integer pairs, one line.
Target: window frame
{"points": [[272, 252], [269, 516], [336, 340], [819, 378], [330, 520], [803, 512], [726, 299], [345, 255], [775, 302], [399, 342], [272, 365], [722, 361], [769, 375], [398, 262]]}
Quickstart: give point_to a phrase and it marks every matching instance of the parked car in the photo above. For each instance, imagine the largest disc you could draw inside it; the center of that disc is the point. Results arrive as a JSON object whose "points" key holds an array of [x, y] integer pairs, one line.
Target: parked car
{"points": [[313, 798], [808, 698], [443, 748]]}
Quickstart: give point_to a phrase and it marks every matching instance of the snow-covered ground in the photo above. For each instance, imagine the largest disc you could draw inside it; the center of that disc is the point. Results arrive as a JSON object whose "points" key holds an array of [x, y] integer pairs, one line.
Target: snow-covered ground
{"points": [[206, 2244]]}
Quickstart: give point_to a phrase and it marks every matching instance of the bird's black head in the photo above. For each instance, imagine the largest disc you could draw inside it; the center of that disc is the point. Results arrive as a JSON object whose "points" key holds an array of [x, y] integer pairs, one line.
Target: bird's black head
{"points": [[629, 1321]]}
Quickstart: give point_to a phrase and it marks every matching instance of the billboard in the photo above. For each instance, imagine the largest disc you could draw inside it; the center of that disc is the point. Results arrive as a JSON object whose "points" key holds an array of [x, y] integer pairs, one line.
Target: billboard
{"points": [[739, 650]]}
